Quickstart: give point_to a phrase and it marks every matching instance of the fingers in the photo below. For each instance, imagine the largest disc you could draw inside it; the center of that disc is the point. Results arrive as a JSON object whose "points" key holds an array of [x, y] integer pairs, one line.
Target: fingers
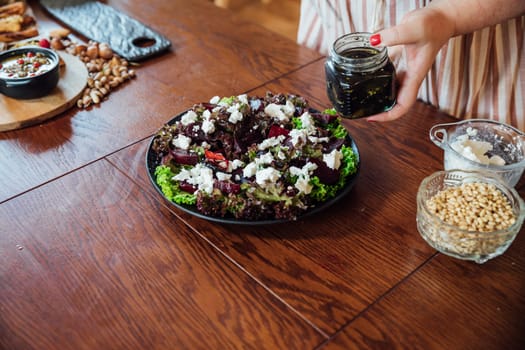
{"points": [[417, 27], [409, 31], [406, 97], [402, 34], [420, 35]]}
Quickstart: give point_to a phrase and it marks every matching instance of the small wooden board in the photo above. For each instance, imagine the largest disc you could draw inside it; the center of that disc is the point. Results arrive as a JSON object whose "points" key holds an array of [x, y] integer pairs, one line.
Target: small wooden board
{"points": [[19, 113]]}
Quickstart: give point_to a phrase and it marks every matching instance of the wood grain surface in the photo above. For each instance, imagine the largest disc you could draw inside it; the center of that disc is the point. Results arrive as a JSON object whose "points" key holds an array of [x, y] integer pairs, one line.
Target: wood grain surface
{"points": [[20, 113], [448, 304], [92, 257], [109, 267]]}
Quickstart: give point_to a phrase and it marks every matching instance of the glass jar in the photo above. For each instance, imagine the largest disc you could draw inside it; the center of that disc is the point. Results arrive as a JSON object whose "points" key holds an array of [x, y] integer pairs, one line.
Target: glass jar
{"points": [[360, 79]]}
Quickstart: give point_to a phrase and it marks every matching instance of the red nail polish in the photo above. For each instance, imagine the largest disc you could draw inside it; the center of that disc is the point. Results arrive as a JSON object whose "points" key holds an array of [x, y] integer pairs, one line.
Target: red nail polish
{"points": [[375, 40]]}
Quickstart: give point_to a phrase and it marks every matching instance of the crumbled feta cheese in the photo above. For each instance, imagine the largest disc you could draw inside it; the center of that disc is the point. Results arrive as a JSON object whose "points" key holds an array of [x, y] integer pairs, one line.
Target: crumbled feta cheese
{"points": [[235, 117], [303, 177], [315, 139], [249, 170], [208, 126], [298, 136], [309, 167], [475, 150], [303, 185], [267, 176], [243, 98], [276, 111], [289, 108], [181, 141], [200, 176], [233, 108], [206, 114], [223, 176], [305, 171], [188, 118], [236, 164], [333, 159], [215, 100], [307, 122], [295, 171], [183, 175], [273, 110], [471, 132], [266, 158], [270, 142]]}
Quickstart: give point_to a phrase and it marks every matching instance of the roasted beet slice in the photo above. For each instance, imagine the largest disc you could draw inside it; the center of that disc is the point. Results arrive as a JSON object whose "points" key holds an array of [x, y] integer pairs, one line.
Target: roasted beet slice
{"points": [[209, 106], [227, 187], [250, 131], [323, 118], [181, 156], [186, 187], [334, 143], [276, 130], [325, 174]]}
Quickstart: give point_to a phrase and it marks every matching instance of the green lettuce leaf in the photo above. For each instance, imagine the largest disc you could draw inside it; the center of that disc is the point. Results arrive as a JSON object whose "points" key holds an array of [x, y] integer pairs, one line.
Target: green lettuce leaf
{"points": [[170, 188]]}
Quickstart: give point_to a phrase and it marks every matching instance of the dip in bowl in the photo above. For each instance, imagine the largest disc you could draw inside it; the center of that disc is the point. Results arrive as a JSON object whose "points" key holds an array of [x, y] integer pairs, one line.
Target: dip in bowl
{"points": [[482, 144], [28, 72]]}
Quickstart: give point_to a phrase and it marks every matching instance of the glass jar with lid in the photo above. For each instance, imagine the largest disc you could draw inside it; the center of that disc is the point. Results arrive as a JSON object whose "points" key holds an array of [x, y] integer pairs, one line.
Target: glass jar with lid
{"points": [[360, 78]]}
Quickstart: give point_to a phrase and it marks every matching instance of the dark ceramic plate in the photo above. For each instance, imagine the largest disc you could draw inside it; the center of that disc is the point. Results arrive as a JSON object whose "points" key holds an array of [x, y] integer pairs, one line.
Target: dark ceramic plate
{"points": [[153, 160]]}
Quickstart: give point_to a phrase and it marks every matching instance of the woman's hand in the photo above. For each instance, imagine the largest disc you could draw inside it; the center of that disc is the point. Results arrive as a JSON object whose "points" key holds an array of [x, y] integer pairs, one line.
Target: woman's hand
{"points": [[420, 36], [423, 32]]}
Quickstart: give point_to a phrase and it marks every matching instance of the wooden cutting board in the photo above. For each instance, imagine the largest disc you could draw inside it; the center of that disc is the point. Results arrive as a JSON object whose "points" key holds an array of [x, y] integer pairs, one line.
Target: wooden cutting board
{"points": [[19, 113]]}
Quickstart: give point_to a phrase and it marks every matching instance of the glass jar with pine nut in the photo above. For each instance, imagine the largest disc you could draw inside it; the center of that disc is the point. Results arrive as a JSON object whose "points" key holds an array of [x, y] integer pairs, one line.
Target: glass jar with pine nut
{"points": [[470, 215]]}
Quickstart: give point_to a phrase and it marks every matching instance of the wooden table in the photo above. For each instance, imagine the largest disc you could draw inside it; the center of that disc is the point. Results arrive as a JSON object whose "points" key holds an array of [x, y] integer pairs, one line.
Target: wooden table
{"points": [[93, 258]]}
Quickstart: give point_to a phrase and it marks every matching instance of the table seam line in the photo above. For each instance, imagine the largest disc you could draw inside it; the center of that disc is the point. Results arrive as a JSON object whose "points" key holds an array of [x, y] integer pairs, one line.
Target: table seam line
{"points": [[379, 299]]}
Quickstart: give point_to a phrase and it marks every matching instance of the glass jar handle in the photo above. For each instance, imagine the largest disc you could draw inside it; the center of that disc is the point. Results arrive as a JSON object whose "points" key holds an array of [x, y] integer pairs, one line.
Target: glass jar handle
{"points": [[438, 135]]}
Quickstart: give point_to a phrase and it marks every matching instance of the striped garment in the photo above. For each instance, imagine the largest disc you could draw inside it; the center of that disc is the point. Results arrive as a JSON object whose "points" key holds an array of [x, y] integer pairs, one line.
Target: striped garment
{"points": [[479, 75]]}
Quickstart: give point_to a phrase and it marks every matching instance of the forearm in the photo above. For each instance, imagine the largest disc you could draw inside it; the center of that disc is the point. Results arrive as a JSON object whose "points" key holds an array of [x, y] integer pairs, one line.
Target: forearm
{"points": [[470, 15]]}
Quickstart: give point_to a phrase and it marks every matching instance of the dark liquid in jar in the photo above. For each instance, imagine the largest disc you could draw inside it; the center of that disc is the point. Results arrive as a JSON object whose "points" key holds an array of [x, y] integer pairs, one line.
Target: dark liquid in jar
{"points": [[359, 94]]}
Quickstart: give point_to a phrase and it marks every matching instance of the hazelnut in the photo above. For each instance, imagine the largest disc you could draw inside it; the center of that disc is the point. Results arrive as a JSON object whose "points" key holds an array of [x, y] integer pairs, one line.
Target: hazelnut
{"points": [[92, 51], [105, 51], [56, 43], [80, 48]]}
